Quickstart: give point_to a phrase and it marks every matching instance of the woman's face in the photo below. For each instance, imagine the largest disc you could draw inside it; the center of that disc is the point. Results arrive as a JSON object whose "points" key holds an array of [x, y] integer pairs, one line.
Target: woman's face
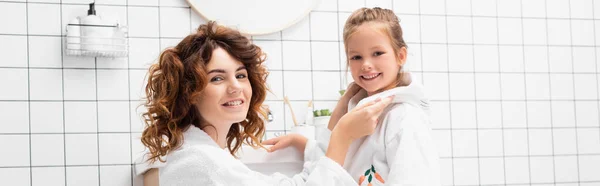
{"points": [[226, 97]]}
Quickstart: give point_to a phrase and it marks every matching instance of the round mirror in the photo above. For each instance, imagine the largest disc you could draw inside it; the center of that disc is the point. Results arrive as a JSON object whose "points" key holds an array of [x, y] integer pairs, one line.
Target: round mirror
{"points": [[254, 17]]}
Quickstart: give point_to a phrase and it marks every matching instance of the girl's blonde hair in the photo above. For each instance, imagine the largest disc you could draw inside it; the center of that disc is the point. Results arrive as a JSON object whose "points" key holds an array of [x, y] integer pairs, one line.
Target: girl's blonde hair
{"points": [[387, 22]]}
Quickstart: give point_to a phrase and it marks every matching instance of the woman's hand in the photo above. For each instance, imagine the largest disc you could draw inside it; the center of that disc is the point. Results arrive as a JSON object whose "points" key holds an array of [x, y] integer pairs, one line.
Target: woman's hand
{"points": [[342, 106], [281, 142]]}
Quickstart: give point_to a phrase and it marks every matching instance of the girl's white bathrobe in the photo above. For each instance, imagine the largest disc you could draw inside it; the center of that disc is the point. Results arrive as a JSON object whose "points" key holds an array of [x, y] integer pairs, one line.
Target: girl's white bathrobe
{"points": [[200, 161], [401, 151]]}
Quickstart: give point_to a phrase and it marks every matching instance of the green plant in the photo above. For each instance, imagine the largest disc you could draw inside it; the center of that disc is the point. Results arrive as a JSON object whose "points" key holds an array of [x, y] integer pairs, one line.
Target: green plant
{"points": [[322, 112]]}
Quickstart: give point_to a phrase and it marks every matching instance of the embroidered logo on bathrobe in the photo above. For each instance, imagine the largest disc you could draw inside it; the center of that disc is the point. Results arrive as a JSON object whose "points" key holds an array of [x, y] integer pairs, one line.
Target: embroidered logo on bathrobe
{"points": [[371, 173]]}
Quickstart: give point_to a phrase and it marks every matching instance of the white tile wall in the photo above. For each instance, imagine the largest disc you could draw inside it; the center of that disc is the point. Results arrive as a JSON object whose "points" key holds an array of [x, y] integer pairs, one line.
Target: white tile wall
{"points": [[514, 85]]}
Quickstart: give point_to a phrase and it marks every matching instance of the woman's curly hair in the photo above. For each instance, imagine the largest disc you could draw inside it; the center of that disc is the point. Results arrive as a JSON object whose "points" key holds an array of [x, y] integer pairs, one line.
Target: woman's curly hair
{"points": [[178, 79]]}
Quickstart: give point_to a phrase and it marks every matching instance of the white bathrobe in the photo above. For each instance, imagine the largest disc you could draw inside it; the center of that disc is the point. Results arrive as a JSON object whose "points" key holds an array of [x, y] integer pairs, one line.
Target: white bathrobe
{"points": [[401, 151], [200, 161]]}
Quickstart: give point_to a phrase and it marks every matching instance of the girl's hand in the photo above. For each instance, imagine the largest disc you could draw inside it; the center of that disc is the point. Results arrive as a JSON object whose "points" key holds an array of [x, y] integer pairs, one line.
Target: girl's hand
{"points": [[281, 142], [342, 106], [362, 120]]}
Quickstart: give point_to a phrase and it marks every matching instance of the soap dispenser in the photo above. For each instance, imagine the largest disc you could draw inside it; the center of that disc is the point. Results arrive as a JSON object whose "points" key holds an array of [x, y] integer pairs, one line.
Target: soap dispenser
{"points": [[90, 30]]}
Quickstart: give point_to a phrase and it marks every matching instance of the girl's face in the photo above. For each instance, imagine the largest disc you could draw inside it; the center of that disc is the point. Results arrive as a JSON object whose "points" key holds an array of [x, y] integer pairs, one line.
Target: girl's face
{"points": [[226, 97], [371, 58]]}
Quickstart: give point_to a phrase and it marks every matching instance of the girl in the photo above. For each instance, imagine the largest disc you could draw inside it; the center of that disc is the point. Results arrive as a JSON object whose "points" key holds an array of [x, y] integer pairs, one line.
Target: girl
{"points": [[401, 150], [205, 95]]}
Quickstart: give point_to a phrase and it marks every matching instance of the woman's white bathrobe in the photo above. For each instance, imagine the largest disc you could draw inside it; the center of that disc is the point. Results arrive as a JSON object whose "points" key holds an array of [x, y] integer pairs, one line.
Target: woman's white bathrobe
{"points": [[200, 161], [401, 151]]}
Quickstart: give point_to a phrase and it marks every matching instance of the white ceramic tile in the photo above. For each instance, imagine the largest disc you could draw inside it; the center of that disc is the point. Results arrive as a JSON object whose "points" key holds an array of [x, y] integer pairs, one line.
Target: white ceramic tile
{"points": [[143, 21], [82, 2], [326, 85], [176, 3], [514, 114], [491, 171], [387, 4], [490, 143], [13, 50], [196, 20], [515, 142], [462, 86], [587, 113], [137, 121], [511, 59], [487, 86], [560, 59], [327, 5], [69, 12], [534, 8], [350, 5], [596, 10], [113, 116], [486, 58], [275, 82], [589, 166], [561, 86], [485, 30], [47, 149], [297, 85], [168, 43], [513, 86], [406, 7], [588, 141], [299, 31], [271, 36], [143, 52], [558, 8], [413, 61], [113, 14], [540, 142], [78, 61], [45, 51], [456, 7], [433, 29], [111, 2], [15, 176], [81, 149], [534, 31], [459, 30], [114, 149], [425, 9], [440, 115], [435, 57], [460, 58], [273, 52], [46, 117], [325, 56], [436, 84], [14, 17], [342, 18], [79, 84], [19, 150], [443, 139], [48, 176], [463, 115], [17, 88], [584, 60], [446, 171], [45, 84], [116, 62], [565, 168], [559, 32], [583, 32], [343, 58], [113, 85], [277, 110], [466, 171], [86, 175], [115, 175], [516, 169], [565, 141], [174, 22], [585, 86], [509, 8], [484, 7], [537, 114], [411, 28], [536, 58], [563, 114], [137, 148], [137, 84], [39, 1], [14, 117], [489, 114], [537, 86], [510, 31], [322, 26], [542, 169], [80, 117], [43, 19], [296, 55], [299, 108], [597, 29]]}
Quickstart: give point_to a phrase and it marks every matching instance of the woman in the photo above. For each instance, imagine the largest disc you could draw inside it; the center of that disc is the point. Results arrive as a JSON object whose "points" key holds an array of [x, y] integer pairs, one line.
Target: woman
{"points": [[205, 95]]}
